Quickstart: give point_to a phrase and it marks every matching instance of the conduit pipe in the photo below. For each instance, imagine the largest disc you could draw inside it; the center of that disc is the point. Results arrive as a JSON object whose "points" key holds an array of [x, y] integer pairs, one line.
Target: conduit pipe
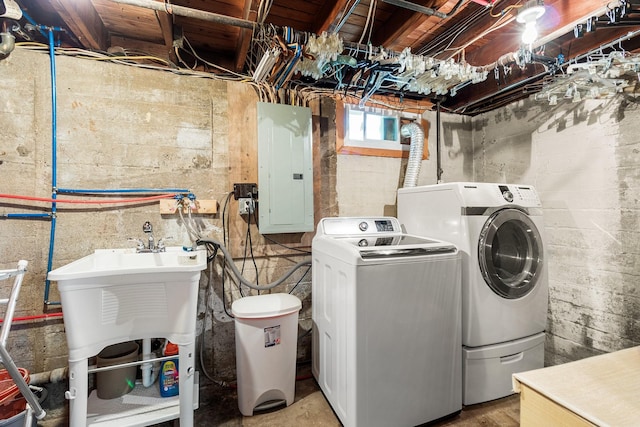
{"points": [[416, 149], [54, 171], [174, 9], [34, 317], [26, 215], [438, 154], [90, 202], [54, 376], [123, 190]]}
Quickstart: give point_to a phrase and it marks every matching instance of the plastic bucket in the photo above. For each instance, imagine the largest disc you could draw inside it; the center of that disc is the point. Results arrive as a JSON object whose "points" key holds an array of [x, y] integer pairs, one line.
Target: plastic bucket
{"points": [[11, 401], [116, 382]]}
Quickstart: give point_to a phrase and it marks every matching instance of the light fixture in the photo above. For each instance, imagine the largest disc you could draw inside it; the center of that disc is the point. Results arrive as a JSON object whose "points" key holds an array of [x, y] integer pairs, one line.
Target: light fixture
{"points": [[528, 15]]}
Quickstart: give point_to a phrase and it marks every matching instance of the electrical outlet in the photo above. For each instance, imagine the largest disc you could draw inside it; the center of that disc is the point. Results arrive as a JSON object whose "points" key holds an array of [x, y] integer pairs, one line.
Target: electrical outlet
{"points": [[247, 189], [246, 206]]}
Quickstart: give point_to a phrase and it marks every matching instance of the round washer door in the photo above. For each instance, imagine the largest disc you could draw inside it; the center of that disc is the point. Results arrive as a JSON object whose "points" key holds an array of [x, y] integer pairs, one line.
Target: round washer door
{"points": [[510, 253]]}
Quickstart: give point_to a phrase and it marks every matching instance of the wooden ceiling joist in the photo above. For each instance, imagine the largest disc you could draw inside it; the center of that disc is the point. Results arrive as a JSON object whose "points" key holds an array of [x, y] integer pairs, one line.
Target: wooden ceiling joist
{"points": [[250, 13], [83, 20]]}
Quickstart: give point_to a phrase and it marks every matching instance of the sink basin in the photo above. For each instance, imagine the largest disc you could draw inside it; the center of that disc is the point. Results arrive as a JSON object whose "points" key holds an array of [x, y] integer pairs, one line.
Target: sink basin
{"points": [[111, 262], [118, 295]]}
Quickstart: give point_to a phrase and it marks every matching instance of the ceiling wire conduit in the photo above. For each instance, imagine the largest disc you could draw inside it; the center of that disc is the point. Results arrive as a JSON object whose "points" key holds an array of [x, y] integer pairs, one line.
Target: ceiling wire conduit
{"points": [[511, 56], [630, 35]]}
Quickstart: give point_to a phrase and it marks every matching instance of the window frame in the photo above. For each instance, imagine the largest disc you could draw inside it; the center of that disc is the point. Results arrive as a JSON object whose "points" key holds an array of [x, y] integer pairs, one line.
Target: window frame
{"points": [[378, 148]]}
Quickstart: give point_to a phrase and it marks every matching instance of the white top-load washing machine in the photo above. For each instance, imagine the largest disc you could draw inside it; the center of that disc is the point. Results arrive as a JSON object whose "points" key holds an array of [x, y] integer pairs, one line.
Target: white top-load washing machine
{"points": [[386, 323], [498, 229]]}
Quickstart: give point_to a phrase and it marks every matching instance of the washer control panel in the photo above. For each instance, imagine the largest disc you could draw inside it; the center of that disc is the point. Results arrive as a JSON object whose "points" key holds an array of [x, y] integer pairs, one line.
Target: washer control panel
{"points": [[356, 226]]}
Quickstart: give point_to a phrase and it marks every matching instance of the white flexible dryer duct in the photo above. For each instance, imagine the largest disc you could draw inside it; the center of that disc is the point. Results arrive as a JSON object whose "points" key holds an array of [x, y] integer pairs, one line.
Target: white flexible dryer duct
{"points": [[416, 133]]}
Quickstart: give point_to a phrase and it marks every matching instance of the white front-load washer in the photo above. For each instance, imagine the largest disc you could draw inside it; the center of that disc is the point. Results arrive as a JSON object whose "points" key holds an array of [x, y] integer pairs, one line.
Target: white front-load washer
{"points": [[498, 229], [386, 323]]}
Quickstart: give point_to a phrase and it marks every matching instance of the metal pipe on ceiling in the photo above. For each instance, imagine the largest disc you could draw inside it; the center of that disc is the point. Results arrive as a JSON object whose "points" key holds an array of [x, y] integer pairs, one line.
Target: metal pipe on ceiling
{"points": [[422, 9], [346, 16], [189, 13]]}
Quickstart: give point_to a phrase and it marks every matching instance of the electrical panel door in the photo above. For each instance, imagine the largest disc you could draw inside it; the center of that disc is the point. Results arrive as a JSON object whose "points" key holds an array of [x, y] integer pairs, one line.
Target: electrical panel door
{"points": [[285, 169]]}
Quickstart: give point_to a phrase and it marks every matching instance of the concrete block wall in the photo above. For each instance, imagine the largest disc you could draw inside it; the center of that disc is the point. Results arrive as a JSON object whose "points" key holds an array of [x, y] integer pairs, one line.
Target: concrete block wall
{"points": [[583, 160]]}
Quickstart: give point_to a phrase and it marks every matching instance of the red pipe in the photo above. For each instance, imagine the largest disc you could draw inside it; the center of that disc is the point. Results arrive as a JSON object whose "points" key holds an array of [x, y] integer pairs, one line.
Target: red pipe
{"points": [[482, 2], [35, 317], [97, 202]]}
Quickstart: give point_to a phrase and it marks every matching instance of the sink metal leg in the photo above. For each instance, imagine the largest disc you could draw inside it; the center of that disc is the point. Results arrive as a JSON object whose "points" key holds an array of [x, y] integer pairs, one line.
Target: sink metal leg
{"points": [[78, 392], [186, 379]]}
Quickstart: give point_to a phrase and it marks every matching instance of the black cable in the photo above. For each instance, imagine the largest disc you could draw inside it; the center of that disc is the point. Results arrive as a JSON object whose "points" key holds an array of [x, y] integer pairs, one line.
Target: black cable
{"points": [[255, 266], [226, 230], [300, 280], [224, 210], [292, 248], [230, 264]]}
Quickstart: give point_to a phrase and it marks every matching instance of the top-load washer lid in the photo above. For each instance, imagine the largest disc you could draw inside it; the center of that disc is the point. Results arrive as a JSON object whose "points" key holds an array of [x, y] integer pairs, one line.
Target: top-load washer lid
{"points": [[389, 246], [380, 237]]}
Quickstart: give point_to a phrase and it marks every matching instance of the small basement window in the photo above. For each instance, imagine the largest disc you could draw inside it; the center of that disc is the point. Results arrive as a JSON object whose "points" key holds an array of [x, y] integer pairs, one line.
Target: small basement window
{"points": [[374, 128], [372, 131]]}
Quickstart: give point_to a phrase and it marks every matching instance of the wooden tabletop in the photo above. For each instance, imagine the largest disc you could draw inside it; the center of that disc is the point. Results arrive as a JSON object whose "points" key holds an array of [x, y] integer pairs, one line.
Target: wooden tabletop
{"points": [[604, 390]]}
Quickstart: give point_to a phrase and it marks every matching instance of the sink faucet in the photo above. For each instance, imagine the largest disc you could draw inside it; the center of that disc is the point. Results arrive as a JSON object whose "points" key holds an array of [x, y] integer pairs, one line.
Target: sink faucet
{"points": [[147, 228], [151, 246]]}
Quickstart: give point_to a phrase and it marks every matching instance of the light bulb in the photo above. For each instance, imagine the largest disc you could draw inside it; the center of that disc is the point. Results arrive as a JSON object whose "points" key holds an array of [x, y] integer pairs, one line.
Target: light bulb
{"points": [[530, 33]]}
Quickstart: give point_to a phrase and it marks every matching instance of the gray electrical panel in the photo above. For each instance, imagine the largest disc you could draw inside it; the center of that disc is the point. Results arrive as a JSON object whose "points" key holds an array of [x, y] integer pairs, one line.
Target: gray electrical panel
{"points": [[285, 169]]}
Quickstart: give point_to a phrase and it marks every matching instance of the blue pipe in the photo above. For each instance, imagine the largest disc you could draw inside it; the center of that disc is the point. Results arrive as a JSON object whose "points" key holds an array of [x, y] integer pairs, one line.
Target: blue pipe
{"points": [[54, 158], [26, 215], [32, 22], [126, 190]]}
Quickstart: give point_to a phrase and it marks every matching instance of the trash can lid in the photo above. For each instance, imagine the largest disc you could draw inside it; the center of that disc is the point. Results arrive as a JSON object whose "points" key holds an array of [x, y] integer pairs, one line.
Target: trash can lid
{"points": [[268, 305]]}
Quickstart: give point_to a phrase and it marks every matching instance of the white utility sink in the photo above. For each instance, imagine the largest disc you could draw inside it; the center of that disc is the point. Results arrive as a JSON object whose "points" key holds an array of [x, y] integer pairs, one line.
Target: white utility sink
{"points": [[112, 262], [118, 295]]}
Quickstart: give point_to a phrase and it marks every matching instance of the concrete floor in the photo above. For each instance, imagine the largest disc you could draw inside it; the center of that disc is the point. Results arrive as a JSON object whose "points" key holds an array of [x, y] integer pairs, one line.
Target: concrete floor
{"points": [[219, 407]]}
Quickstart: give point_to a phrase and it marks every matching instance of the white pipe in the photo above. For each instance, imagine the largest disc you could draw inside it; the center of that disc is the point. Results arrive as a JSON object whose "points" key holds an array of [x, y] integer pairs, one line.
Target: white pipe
{"points": [[149, 370], [53, 376], [415, 152], [7, 43]]}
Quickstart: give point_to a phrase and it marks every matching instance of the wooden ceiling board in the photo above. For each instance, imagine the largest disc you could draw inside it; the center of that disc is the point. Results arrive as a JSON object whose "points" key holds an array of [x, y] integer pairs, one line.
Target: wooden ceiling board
{"points": [[129, 20], [328, 16], [558, 12], [220, 38], [84, 22]]}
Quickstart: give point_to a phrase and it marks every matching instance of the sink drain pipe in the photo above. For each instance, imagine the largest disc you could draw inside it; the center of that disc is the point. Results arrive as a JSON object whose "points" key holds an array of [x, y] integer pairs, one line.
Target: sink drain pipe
{"points": [[438, 156]]}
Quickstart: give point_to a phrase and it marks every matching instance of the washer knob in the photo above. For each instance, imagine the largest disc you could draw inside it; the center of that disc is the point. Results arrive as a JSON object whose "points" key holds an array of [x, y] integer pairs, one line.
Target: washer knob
{"points": [[363, 226], [508, 196], [363, 242]]}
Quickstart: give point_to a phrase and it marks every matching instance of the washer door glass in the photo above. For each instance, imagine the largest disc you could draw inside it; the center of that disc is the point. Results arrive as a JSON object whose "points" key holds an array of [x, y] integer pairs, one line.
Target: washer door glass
{"points": [[510, 253]]}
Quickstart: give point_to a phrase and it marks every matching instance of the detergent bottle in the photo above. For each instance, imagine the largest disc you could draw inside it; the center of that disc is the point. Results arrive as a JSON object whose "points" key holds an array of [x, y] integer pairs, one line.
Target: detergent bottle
{"points": [[168, 377]]}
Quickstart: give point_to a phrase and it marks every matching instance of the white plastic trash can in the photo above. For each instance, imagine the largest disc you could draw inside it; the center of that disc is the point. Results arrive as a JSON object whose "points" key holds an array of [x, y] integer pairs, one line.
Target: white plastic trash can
{"points": [[266, 347]]}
